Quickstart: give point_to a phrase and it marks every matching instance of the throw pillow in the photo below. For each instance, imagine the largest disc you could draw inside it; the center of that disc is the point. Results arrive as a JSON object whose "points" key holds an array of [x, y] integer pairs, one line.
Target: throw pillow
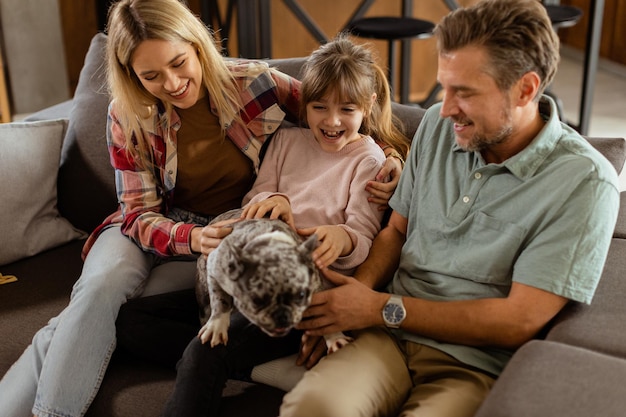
{"points": [[29, 161]]}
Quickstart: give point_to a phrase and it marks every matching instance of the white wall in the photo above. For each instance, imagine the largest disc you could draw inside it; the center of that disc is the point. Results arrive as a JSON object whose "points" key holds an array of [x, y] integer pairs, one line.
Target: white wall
{"points": [[33, 46]]}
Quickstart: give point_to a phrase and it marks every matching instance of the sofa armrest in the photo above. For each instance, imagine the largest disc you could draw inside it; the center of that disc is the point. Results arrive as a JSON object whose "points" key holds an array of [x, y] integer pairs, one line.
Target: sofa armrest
{"points": [[553, 379]]}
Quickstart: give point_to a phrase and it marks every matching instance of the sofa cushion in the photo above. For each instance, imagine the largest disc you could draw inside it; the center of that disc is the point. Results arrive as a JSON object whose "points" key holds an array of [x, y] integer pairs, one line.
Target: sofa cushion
{"points": [[290, 66], [43, 287], [552, 379], [600, 325], [29, 163], [86, 178], [613, 149]]}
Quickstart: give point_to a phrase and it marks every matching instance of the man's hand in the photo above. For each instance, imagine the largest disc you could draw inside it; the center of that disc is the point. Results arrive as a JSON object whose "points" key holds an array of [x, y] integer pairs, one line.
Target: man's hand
{"points": [[350, 305]]}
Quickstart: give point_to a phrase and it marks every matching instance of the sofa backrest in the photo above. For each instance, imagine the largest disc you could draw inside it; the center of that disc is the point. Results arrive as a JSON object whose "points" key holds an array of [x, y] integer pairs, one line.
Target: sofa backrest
{"points": [[86, 185]]}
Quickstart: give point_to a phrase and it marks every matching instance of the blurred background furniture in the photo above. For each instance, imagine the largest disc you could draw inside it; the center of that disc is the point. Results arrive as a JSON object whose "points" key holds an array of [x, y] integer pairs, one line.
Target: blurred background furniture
{"points": [[394, 30], [561, 16], [5, 110]]}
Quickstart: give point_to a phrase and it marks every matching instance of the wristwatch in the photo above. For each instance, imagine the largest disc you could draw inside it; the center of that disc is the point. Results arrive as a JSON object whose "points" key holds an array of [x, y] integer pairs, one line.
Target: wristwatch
{"points": [[394, 312]]}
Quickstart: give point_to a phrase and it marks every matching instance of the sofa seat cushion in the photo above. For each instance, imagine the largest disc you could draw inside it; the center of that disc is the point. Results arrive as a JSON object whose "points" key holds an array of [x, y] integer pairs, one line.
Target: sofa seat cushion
{"points": [[42, 290], [552, 379], [600, 325]]}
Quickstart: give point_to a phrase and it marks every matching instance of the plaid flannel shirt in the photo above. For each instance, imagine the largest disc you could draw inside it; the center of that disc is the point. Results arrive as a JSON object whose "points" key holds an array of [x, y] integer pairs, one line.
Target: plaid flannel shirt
{"points": [[145, 196]]}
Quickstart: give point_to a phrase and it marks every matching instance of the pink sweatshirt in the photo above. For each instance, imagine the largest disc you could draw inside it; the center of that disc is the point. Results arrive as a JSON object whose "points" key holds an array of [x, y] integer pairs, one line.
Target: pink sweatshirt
{"points": [[324, 188]]}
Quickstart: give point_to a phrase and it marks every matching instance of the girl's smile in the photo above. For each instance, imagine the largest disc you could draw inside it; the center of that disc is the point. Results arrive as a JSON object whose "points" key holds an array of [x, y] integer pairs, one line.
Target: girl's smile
{"points": [[334, 123]]}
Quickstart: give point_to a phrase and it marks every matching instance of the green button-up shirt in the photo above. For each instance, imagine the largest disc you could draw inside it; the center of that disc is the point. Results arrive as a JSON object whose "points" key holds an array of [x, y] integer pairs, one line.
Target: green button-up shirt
{"points": [[543, 218]]}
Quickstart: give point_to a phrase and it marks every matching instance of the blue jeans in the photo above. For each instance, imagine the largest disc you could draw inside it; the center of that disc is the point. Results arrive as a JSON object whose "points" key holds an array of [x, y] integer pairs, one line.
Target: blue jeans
{"points": [[60, 372]]}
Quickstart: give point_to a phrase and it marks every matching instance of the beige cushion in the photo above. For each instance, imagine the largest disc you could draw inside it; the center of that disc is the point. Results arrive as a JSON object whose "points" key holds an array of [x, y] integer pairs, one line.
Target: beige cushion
{"points": [[29, 162]]}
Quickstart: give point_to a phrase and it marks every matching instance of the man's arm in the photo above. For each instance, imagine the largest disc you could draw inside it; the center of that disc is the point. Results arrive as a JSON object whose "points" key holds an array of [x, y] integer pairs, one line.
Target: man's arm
{"points": [[500, 322], [384, 256], [503, 322]]}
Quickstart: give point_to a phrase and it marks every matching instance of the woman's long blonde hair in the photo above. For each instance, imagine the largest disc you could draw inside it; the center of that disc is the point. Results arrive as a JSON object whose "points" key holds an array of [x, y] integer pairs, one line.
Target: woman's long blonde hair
{"points": [[350, 70], [131, 22]]}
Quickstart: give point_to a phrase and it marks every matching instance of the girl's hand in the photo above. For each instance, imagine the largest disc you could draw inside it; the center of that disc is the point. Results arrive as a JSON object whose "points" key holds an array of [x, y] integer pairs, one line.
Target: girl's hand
{"points": [[277, 206], [334, 242], [385, 183]]}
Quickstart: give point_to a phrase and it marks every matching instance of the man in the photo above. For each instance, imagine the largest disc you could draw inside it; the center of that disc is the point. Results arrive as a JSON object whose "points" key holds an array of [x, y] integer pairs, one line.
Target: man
{"points": [[502, 215]]}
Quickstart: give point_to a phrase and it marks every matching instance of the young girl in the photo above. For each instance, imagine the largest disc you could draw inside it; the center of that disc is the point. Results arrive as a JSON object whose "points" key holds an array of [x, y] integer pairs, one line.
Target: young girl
{"points": [[184, 150], [313, 178]]}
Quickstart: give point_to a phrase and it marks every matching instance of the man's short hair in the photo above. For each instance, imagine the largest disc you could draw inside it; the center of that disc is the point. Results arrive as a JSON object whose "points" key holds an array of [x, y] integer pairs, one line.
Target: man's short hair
{"points": [[517, 35]]}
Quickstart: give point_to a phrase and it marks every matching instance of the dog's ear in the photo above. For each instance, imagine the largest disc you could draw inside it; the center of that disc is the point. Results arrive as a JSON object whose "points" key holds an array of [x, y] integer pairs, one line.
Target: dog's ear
{"points": [[232, 255], [308, 246], [248, 267]]}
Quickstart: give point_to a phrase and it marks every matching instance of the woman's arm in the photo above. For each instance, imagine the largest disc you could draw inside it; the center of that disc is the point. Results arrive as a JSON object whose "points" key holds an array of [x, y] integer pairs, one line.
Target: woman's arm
{"points": [[288, 91], [140, 195]]}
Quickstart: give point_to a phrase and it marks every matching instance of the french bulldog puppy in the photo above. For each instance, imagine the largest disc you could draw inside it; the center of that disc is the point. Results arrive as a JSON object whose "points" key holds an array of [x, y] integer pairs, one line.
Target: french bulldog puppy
{"points": [[265, 270]]}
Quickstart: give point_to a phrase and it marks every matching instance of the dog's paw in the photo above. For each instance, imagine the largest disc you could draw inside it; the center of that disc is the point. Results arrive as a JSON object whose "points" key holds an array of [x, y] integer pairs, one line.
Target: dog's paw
{"points": [[336, 341], [215, 330]]}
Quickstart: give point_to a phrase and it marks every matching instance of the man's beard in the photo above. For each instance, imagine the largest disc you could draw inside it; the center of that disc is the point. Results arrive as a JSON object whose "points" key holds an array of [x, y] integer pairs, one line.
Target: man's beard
{"points": [[480, 142]]}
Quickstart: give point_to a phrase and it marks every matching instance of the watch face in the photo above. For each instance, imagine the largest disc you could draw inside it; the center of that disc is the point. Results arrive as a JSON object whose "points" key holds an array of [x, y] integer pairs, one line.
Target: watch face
{"points": [[393, 313]]}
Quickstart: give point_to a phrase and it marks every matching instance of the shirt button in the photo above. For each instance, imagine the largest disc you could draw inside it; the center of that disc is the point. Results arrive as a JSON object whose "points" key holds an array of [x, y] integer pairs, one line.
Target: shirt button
{"points": [[466, 199], [478, 175], [170, 172]]}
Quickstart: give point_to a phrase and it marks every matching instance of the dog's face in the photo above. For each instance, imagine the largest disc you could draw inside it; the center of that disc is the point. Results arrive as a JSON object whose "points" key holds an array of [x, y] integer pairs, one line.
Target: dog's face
{"points": [[271, 276]]}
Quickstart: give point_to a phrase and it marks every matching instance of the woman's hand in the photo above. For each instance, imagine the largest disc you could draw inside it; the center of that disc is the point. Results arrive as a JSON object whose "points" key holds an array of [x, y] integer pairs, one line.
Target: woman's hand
{"points": [[206, 239], [277, 206], [382, 187], [334, 242]]}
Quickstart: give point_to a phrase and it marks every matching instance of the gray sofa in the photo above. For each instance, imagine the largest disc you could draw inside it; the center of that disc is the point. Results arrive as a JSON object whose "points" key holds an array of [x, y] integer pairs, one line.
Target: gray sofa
{"points": [[575, 369]]}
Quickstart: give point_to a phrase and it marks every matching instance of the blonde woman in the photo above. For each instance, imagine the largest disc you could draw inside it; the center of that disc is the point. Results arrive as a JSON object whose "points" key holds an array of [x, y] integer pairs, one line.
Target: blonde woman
{"points": [[185, 129]]}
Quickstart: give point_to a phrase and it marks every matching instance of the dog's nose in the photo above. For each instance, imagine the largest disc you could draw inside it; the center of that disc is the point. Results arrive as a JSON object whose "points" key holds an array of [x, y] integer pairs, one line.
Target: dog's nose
{"points": [[282, 317]]}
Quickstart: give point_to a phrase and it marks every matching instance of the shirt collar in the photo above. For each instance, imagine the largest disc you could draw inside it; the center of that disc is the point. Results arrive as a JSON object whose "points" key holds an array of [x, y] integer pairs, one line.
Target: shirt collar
{"points": [[525, 163]]}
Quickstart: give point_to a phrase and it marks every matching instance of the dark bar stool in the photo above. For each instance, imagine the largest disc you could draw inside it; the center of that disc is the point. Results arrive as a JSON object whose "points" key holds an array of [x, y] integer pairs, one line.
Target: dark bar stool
{"points": [[561, 16], [394, 29]]}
